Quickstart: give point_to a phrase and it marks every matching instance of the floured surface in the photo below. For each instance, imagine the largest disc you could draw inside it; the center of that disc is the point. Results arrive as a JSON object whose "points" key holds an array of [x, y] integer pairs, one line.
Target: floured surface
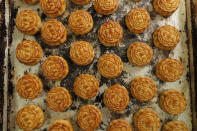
{"points": [[178, 19]]}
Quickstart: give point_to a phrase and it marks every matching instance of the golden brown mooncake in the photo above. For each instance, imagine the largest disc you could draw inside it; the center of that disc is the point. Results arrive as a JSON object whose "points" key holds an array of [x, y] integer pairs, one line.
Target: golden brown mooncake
{"points": [[53, 8], [80, 22], [30, 117], [81, 2], [58, 99], [86, 86], [82, 53], [143, 88], [29, 52], [139, 54], [61, 125], [169, 70], [54, 33], [32, 2], [28, 22], [119, 125], [116, 98], [55, 68], [166, 7], [89, 117], [137, 20], [110, 33], [106, 7], [110, 65], [172, 102], [146, 119], [175, 125], [29, 86], [166, 37]]}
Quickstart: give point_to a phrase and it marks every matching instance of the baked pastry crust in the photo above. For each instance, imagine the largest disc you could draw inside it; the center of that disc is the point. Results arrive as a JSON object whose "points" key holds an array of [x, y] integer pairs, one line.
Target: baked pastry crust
{"points": [[86, 86], [143, 88], [53, 8], [30, 117], [146, 119], [110, 65], [80, 22], [169, 70], [110, 33], [29, 86], [29, 52], [28, 22], [166, 7], [175, 125], [61, 125], [82, 53], [89, 117], [137, 20], [32, 2], [81, 2], [119, 125], [166, 37], [55, 68], [58, 99], [116, 98], [139, 54], [54, 33], [106, 7], [173, 101]]}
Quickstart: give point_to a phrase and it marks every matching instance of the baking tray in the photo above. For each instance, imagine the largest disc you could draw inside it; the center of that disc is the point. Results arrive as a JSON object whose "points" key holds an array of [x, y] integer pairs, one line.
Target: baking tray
{"points": [[12, 70]]}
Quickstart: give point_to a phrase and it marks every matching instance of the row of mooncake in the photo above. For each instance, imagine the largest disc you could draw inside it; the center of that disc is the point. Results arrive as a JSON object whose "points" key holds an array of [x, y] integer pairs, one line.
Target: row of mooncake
{"points": [[80, 22], [89, 118], [103, 7]]}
